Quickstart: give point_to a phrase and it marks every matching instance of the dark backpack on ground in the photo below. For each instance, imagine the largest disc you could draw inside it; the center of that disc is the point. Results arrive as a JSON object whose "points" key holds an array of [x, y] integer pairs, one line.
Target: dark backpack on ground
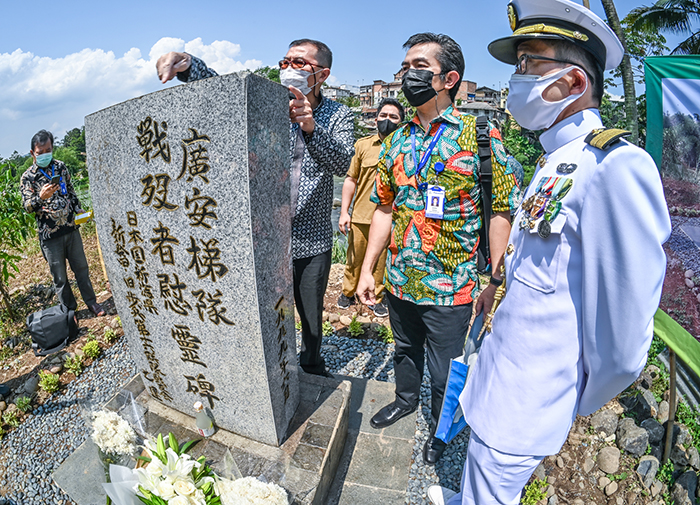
{"points": [[51, 329], [483, 139]]}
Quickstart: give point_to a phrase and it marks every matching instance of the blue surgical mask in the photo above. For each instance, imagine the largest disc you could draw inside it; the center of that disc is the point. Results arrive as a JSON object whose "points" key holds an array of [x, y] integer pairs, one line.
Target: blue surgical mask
{"points": [[44, 160]]}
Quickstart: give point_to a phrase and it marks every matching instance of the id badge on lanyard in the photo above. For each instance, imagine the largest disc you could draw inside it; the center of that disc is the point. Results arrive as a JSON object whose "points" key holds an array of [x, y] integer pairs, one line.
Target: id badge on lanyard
{"points": [[435, 204]]}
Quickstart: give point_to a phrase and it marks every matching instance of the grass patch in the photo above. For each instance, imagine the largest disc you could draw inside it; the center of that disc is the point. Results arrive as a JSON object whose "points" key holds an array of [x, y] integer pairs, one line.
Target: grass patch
{"points": [[386, 334], [327, 329], [75, 365], [92, 349], [355, 328], [48, 381], [534, 492], [23, 403]]}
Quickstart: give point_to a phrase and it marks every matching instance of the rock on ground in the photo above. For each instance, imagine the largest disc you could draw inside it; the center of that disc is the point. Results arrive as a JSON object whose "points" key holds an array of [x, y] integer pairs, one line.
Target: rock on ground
{"points": [[647, 468], [609, 459], [604, 420], [631, 438]]}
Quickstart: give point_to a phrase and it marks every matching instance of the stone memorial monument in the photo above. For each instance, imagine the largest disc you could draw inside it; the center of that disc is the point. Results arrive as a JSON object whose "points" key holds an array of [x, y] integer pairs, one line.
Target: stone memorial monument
{"points": [[190, 188]]}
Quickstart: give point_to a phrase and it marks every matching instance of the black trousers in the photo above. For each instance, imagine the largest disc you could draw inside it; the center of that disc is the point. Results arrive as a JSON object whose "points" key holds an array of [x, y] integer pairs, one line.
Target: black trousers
{"points": [[69, 248], [310, 280], [443, 329]]}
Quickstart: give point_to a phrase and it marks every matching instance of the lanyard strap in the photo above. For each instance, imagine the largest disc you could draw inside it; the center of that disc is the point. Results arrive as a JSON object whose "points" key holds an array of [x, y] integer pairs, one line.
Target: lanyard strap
{"points": [[53, 171], [426, 155]]}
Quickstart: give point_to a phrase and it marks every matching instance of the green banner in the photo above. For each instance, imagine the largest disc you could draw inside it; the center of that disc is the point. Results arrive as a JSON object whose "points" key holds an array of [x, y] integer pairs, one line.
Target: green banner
{"points": [[657, 68], [678, 340]]}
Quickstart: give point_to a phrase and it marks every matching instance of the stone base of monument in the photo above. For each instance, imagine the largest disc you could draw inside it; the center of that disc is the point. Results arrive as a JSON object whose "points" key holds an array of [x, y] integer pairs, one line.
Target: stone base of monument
{"points": [[305, 464]]}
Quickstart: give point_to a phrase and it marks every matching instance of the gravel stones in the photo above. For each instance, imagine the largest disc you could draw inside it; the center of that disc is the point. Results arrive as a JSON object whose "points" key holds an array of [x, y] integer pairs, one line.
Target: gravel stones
{"points": [[662, 415], [611, 488], [588, 465], [631, 438], [604, 420], [608, 459], [647, 468], [655, 430], [646, 405], [683, 491]]}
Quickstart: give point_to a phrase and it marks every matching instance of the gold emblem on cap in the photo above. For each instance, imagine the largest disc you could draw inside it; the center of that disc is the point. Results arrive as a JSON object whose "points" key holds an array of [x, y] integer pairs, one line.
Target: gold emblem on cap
{"points": [[512, 17], [542, 28]]}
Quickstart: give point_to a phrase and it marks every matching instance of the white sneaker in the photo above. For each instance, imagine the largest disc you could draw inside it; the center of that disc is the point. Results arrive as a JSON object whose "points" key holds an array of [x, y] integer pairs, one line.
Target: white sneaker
{"points": [[439, 495]]}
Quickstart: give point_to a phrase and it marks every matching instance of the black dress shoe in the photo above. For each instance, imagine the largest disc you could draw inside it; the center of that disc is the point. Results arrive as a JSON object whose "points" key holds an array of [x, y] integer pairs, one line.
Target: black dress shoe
{"points": [[389, 415], [433, 449], [323, 373]]}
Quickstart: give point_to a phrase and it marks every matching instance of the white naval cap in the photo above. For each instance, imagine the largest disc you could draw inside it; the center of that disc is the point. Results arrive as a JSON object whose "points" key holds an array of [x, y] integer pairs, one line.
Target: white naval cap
{"points": [[558, 19]]}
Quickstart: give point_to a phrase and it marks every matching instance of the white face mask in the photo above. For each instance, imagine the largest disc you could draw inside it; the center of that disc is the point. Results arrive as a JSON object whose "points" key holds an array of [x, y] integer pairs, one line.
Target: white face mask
{"points": [[297, 78], [525, 100]]}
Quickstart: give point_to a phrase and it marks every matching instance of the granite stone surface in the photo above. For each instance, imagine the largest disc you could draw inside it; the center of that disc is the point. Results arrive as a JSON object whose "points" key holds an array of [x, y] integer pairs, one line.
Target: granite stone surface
{"points": [[190, 187]]}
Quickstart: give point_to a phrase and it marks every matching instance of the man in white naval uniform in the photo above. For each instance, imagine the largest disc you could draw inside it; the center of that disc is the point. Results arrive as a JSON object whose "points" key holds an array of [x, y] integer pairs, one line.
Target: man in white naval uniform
{"points": [[584, 266]]}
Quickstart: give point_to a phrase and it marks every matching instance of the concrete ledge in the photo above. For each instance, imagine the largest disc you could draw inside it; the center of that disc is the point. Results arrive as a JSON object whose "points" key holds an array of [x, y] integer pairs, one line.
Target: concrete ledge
{"points": [[305, 464]]}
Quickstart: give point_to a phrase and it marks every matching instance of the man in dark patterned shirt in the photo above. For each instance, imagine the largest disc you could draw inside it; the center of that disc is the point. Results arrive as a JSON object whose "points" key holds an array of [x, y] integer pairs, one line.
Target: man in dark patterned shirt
{"points": [[54, 202], [321, 145]]}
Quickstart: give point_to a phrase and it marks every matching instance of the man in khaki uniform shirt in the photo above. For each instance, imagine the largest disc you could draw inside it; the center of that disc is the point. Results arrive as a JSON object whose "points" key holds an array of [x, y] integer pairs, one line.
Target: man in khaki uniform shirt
{"points": [[359, 183]]}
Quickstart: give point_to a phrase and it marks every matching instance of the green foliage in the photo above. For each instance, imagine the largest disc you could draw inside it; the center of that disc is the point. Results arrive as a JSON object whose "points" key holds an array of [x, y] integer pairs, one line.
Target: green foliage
{"points": [[685, 414], [48, 381], [272, 73], [665, 473], [297, 325], [75, 140], [75, 365], [408, 108], [359, 129], [110, 335], [92, 349], [10, 418], [15, 226], [119, 321], [339, 253], [386, 334], [612, 113], [681, 146], [23, 403], [5, 353], [534, 492], [356, 329], [523, 146], [90, 335], [619, 476], [327, 329], [674, 16]]}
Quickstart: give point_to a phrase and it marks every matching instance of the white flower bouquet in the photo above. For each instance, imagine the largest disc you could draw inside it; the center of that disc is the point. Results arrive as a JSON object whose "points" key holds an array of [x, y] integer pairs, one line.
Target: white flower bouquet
{"points": [[172, 477], [112, 434]]}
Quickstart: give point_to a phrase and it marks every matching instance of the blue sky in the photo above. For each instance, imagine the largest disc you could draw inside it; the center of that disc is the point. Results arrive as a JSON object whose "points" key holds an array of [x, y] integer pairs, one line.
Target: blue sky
{"points": [[60, 61]]}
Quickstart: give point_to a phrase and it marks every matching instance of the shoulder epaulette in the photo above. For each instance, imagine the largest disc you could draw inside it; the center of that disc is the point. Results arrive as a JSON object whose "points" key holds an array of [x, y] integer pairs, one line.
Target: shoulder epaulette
{"points": [[602, 138]]}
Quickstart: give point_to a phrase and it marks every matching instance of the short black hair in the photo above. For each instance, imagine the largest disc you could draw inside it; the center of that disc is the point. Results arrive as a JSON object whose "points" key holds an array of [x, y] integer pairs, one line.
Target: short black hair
{"points": [[41, 137], [323, 52], [565, 50], [450, 55], [395, 103]]}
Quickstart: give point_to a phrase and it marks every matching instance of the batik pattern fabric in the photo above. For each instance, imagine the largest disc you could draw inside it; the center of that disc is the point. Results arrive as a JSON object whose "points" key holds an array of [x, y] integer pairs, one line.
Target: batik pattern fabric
{"points": [[327, 152], [55, 216], [433, 261]]}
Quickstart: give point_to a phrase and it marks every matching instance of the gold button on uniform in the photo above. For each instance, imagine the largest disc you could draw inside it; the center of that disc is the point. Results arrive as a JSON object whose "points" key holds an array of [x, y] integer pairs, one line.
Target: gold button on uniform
{"points": [[510, 249]]}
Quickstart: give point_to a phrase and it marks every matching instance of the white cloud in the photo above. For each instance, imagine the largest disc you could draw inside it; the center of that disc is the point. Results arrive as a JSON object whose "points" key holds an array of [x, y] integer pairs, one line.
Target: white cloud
{"points": [[40, 92]]}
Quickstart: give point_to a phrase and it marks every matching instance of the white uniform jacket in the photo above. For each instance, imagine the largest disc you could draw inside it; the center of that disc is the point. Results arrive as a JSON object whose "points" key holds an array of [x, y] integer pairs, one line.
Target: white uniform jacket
{"points": [[575, 325]]}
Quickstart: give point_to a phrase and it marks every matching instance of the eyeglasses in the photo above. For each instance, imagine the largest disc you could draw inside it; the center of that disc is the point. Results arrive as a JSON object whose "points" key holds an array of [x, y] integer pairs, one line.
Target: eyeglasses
{"points": [[521, 65], [296, 63]]}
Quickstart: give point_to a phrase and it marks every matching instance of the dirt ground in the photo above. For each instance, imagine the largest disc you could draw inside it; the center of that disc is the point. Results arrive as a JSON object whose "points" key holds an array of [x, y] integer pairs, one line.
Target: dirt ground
{"points": [[29, 290]]}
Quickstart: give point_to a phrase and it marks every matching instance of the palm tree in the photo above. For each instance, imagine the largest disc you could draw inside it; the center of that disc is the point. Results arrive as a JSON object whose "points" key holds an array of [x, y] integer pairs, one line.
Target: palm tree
{"points": [[675, 16], [627, 75]]}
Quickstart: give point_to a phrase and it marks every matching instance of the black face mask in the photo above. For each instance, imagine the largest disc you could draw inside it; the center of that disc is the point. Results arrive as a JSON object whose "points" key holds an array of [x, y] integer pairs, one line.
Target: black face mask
{"points": [[386, 126], [417, 86]]}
